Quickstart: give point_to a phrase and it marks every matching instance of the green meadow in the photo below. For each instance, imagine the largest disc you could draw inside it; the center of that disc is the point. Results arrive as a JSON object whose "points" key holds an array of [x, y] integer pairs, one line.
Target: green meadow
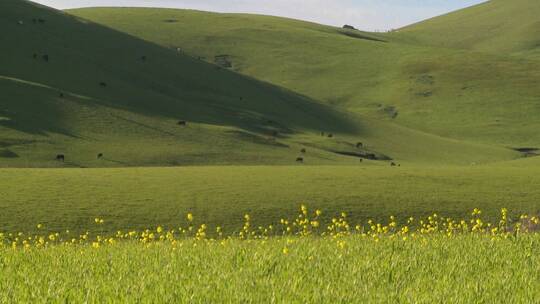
{"points": [[463, 269], [136, 198], [118, 125]]}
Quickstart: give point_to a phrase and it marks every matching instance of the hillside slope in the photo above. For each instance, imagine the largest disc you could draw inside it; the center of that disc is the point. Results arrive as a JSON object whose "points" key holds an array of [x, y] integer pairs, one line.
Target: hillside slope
{"points": [[497, 26], [486, 98], [76, 88], [79, 89]]}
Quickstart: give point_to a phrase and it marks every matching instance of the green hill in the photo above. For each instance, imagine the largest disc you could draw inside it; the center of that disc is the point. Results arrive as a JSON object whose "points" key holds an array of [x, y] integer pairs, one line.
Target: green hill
{"points": [[497, 26], [72, 87], [473, 96], [58, 105]]}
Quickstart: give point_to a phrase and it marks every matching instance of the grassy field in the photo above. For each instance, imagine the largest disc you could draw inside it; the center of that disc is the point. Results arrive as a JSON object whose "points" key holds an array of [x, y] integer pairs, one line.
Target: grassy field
{"points": [[139, 197], [441, 261], [200, 165], [457, 270]]}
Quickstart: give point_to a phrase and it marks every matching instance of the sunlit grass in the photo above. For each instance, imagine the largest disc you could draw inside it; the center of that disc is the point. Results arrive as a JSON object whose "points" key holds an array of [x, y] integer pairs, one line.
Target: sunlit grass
{"points": [[299, 259]]}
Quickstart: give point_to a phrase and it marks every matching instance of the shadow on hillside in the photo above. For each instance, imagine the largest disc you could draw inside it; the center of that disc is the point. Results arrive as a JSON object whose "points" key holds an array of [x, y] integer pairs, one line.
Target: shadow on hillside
{"points": [[166, 84], [31, 110]]}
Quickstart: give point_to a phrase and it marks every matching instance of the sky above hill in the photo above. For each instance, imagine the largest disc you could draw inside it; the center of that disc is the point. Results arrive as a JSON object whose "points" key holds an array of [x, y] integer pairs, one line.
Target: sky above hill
{"points": [[364, 14]]}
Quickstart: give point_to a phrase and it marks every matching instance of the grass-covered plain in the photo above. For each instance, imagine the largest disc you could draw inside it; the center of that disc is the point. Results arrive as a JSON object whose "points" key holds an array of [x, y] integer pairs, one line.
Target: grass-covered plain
{"points": [[296, 261], [138, 197], [465, 269]]}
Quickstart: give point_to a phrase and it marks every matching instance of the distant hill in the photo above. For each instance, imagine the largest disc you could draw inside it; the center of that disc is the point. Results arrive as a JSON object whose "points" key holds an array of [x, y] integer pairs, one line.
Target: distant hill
{"points": [[100, 98], [482, 97], [497, 26]]}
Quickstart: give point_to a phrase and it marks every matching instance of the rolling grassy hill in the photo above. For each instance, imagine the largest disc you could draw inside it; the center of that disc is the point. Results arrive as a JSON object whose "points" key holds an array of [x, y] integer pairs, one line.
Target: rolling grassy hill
{"points": [[496, 26], [456, 93], [76, 88], [53, 100]]}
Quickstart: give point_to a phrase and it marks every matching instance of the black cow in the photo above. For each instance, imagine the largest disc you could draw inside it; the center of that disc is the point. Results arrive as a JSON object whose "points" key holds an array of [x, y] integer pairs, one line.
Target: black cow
{"points": [[359, 145], [182, 123], [35, 56], [103, 84], [61, 95], [60, 157], [100, 156], [143, 58], [300, 159], [393, 164], [303, 151], [46, 58], [330, 135]]}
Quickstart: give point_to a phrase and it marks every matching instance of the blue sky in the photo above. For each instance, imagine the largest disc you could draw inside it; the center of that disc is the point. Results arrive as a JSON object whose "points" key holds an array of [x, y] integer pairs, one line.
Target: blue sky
{"points": [[364, 14]]}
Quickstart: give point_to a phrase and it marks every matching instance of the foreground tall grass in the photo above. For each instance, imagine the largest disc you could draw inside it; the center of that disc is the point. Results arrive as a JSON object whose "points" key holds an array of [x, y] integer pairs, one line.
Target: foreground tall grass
{"points": [[298, 260]]}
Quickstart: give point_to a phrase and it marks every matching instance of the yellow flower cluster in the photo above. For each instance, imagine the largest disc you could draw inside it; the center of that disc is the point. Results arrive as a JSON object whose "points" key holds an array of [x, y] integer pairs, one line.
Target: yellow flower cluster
{"points": [[305, 224]]}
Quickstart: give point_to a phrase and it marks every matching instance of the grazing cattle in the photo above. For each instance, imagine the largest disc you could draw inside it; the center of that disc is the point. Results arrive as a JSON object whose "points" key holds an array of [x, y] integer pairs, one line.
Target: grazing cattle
{"points": [[60, 157], [143, 58], [303, 151], [393, 164], [182, 123], [35, 56], [100, 156], [359, 145], [300, 159], [61, 95], [103, 84], [46, 58], [41, 20], [241, 98], [361, 159], [330, 135]]}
